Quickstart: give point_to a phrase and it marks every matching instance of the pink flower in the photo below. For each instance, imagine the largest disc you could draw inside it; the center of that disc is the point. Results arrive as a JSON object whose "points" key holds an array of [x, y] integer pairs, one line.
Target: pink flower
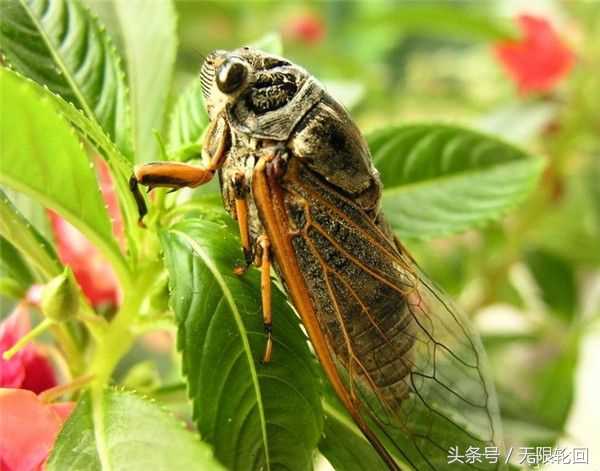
{"points": [[538, 61], [305, 27], [28, 368], [110, 198], [92, 271], [32, 427]]}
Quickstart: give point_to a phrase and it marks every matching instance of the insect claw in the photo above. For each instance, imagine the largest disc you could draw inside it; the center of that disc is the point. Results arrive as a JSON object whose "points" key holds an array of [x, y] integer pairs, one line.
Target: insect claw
{"points": [[239, 270], [141, 222], [139, 200]]}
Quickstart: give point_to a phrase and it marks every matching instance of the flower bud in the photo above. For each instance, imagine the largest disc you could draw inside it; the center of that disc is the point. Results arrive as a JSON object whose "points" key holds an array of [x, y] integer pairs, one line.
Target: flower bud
{"points": [[60, 298]]}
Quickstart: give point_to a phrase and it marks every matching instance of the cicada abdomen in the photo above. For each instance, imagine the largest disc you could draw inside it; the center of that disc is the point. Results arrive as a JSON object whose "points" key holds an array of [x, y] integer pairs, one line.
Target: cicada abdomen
{"points": [[297, 175]]}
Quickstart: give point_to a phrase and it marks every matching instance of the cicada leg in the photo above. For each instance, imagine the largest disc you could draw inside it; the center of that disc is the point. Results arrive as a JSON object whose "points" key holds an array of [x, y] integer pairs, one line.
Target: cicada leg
{"points": [[241, 213], [176, 175], [263, 260], [259, 255]]}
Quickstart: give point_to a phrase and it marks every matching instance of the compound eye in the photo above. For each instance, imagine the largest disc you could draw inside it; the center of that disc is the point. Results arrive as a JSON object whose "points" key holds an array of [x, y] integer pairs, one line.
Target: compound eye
{"points": [[231, 75]]}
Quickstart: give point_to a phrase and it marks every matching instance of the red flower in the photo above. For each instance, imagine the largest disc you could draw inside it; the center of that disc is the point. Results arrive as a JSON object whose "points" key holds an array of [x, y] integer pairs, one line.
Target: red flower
{"points": [[110, 198], [28, 368], [539, 60], [32, 427], [305, 27], [92, 271]]}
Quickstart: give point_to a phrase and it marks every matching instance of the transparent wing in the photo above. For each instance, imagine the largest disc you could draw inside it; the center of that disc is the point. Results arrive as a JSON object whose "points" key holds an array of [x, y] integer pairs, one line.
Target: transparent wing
{"points": [[415, 367]]}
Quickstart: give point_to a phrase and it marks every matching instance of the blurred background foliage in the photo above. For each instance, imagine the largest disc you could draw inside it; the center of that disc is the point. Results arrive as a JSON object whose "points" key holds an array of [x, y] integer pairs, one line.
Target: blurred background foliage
{"points": [[531, 281]]}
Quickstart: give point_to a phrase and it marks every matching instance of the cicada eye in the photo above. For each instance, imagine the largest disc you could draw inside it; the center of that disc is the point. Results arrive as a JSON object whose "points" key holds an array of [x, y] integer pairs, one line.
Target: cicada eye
{"points": [[231, 75]]}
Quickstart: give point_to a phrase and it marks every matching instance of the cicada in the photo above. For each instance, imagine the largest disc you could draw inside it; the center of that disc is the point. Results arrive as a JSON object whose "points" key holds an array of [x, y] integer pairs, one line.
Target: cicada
{"points": [[297, 175]]}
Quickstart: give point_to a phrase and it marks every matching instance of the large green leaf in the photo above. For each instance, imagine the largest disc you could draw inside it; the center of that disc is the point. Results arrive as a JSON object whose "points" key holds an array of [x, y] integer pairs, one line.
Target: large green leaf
{"points": [[148, 33], [256, 416], [443, 179], [17, 231], [137, 435], [60, 44], [41, 157], [120, 167]]}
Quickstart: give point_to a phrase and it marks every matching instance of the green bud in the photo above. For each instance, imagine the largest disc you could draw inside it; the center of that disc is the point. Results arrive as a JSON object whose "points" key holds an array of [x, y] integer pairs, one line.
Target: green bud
{"points": [[60, 298]]}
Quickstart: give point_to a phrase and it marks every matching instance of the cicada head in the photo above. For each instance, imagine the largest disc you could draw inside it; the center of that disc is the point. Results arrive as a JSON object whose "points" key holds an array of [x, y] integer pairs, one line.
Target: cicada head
{"points": [[257, 90]]}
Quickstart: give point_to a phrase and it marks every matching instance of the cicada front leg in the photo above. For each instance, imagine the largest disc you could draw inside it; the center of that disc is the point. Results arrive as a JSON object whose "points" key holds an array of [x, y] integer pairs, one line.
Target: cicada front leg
{"points": [[260, 255], [240, 189], [176, 175], [257, 252], [263, 259]]}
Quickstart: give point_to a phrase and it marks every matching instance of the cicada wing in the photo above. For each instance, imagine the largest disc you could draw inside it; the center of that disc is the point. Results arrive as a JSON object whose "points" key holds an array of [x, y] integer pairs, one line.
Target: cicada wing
{"points": [[414, 366], [452, 408]]}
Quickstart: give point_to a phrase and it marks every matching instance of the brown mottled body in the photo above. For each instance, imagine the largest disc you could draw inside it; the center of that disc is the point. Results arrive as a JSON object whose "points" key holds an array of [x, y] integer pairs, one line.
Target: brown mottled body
{"points": [[329, 185]]}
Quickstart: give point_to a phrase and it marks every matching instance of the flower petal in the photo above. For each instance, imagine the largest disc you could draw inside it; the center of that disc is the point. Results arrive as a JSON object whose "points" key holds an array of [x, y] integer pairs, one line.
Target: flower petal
{"points": [[32, 427], [28, 368], [92, 271], [538, 61], [305, 27]]}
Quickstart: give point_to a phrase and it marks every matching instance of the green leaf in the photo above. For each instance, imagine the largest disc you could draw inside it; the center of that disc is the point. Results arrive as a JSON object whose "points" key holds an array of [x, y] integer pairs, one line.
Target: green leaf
{"points": [[61, 45], [555, 386], [188, 120], [570, 226], [88, 128], [120, 167], [31, 210], [148, 33], [256, 416], [270, 43], [442, 179], [42, 158], [441, 20], [27, 240], [138, 435], [343, 444], [13, 264], [556, 280]]}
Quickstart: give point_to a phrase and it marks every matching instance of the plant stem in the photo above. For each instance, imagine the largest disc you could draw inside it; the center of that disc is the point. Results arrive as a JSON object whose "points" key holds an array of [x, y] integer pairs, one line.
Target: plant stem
{"points": [[112, 344], [117, 337], [51, 394], [33, 333]]}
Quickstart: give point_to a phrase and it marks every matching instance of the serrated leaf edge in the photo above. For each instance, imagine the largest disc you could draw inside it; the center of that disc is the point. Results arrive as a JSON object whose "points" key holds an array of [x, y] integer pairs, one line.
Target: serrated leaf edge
{"points": [[110, 50], [107, 246], [98, 138]]}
